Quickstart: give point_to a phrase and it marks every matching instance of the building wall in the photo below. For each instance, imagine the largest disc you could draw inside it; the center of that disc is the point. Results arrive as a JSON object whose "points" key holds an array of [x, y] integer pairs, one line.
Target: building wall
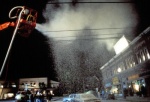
{"points": [[131, 67], [32, 82]]}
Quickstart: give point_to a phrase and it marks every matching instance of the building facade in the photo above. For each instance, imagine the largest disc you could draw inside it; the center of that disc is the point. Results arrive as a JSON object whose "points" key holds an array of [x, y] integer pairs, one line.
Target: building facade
{"points": [[130, 68], [9, 89]]}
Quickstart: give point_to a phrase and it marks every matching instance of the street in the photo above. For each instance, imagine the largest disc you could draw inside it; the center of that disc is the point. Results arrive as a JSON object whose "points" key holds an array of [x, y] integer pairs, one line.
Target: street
{"points": [[59, 99], [104, 101]]}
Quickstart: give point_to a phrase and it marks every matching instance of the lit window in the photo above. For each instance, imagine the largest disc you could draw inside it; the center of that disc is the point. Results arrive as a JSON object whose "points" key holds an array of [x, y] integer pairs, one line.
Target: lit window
{"points": [[143, 58], [121, 67], [146, 53], [138, 57], [133, 61], [130, 62], [142, 55]]}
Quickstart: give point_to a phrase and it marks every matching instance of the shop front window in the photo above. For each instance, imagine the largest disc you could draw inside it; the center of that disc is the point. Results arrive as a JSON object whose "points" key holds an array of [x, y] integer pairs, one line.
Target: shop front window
{"points": [[137, 84]]}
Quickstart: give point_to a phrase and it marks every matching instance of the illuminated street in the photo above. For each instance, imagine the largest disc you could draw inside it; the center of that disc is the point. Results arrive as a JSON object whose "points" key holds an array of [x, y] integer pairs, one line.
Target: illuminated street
{"points": [[79, 49], [59, 99], [119, 100]]}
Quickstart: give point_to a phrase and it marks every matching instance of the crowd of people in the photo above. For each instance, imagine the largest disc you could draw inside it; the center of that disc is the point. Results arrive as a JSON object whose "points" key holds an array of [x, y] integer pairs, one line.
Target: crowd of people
{"points": [[125, 92], [29, 96]]}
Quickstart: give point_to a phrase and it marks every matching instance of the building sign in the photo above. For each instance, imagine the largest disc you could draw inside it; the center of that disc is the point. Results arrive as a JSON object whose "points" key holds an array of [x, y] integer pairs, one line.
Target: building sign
{"points": [[115, 80], [132, 77], [118, 46]]}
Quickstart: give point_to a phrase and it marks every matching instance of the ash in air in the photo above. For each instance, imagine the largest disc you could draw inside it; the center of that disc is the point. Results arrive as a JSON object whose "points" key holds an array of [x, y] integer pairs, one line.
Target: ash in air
{"points": [[87, 29]]}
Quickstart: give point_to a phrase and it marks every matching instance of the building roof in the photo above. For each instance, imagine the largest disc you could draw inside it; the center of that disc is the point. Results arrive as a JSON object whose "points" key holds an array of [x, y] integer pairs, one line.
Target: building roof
{"points": [[131, 43]]}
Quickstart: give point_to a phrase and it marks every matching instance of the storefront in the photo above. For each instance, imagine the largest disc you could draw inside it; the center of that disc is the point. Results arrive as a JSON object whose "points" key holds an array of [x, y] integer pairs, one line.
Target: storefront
{"points": [[116, 87], [135, 83], [108, 87]]}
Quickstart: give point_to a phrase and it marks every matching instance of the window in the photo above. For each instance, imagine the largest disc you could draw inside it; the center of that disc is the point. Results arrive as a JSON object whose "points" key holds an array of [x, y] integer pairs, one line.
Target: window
{"points": [[121, 66], [115, 70], [146, 53], [138, 57], [130, 62], [142, 55], [127, 63]]}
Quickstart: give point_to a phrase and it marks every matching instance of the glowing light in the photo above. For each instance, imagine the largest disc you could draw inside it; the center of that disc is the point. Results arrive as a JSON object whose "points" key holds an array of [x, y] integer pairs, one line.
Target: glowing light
{"points": [[137, 87], [1, 86], [51, 92], [148, 55], [10, 94], [19, 96], [114, 90], [121, 45], [143, 58], [13, 85], [119, 70], [140, 60]]}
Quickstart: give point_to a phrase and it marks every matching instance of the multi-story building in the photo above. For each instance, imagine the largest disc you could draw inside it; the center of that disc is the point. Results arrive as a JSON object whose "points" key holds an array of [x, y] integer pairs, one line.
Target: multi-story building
{"points": [[131, 67]]}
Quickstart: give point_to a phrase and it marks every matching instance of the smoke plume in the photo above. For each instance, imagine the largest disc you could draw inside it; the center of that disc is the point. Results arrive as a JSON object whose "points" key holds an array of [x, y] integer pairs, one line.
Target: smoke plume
{"points": [[90, 28]]}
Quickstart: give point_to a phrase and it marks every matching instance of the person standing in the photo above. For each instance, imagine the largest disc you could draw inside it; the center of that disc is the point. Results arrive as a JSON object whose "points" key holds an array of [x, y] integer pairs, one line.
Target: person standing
{"points": [[124, 90], [143, 91], [103, 93]]}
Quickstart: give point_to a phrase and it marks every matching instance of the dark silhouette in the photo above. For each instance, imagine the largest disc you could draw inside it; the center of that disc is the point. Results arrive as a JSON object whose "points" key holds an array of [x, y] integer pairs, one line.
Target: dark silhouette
{"points": [[125, 91], [143, 91]]}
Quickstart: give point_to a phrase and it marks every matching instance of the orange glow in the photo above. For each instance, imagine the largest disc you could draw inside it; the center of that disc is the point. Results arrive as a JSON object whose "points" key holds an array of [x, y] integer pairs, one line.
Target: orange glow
{"points": [[4, 25]]}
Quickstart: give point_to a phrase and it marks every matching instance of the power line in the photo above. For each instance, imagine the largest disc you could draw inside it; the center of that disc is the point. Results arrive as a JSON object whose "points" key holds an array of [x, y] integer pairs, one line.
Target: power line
{"points": [[54, 2], [90, 39], [91, 35], [86, 29]]}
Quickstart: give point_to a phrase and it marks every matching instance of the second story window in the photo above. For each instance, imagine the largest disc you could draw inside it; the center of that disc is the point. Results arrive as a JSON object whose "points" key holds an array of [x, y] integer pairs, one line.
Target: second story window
{"points": [[121, 67], [139, 57], [115, 71], [142, 55], [146, 53], [130, 62]]}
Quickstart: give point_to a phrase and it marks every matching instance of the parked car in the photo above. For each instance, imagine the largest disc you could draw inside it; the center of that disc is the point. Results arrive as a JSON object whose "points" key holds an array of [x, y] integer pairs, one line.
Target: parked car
{"points": [[81, 98]]}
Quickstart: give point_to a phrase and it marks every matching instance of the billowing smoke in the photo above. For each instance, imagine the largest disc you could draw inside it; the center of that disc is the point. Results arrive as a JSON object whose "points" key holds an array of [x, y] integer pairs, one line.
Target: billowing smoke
{"points": [[99, 16], [87, 27]]}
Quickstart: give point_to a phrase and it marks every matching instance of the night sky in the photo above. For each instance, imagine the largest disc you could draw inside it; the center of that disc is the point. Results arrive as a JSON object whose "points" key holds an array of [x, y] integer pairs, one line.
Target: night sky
{"points": [[32, 56]]}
